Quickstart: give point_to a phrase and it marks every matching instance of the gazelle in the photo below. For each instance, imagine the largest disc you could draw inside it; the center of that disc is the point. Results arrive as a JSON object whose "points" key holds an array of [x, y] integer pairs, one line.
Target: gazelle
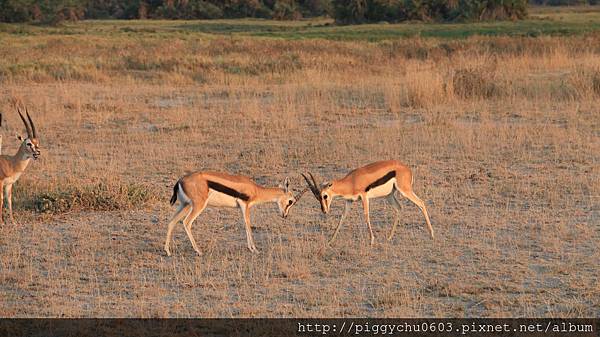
{"points": [[11, 167], [198, 190], [376, 180]]}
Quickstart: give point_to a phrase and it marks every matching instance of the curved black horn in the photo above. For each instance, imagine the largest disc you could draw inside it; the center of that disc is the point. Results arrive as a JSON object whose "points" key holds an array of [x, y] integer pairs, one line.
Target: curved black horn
{"points": [[31, 123], [27, 127], [299, 195], [315, 182], [314, 189]]}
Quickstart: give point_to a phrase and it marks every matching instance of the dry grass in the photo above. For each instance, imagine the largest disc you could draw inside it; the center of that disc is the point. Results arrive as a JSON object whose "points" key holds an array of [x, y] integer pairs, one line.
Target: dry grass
{"points": [[503, 134]]}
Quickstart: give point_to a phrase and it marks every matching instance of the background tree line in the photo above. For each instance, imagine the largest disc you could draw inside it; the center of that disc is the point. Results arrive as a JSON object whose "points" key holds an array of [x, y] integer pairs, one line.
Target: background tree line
{"points": [[344, 11], [56, 10]]}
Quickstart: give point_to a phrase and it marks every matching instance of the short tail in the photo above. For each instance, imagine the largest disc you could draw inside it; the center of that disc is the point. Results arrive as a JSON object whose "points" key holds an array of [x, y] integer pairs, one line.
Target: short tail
{"points": [[175, 192]]}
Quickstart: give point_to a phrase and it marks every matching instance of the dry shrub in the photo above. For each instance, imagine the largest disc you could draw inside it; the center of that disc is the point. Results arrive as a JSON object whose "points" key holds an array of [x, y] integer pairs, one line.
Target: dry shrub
{"points": [[585, 82], [596, 82], [424, 90], [475, 83], [66, 196]]}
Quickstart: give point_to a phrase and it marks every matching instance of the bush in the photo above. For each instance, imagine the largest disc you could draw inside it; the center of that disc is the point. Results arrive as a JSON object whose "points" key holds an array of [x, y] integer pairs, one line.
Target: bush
{"points": [[316, 8], [102, 196], [344, 11], [15, 11], [285, 11], [206, 10], [350, 11], [359, 11], [474, 83], [585, 82], [57, 10], [385, 10], [479, 10], [49, 12]]}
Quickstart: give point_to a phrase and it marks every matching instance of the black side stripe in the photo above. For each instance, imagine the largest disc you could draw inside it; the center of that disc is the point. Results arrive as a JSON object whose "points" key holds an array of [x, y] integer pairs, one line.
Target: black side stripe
{"points": [[226, 190], [381, 180]]}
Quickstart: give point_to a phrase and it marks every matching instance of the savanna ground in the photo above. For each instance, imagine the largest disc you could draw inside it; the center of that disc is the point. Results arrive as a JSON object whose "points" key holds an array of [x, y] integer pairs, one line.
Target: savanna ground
{"points": [[502, 131]]}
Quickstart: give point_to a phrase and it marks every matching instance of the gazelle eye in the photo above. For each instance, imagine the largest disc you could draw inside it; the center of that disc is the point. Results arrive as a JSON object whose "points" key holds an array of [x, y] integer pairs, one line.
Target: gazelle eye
{"points": [[290, 202], [325, 197]]}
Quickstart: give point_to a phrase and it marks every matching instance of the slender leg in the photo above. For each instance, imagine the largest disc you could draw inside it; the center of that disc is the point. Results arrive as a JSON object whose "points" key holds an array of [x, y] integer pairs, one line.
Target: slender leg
{"points": [[413, 197], [391, 198], [182, 211], [246, 214], [1, 203], [9, 202], [365, 201], [347, 206], [189, 219]]}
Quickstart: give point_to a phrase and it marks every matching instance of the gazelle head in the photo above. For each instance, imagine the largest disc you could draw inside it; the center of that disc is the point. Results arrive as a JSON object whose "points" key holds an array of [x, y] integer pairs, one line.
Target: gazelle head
{"points": [[322, 192], [287, 200], [29, 145]]}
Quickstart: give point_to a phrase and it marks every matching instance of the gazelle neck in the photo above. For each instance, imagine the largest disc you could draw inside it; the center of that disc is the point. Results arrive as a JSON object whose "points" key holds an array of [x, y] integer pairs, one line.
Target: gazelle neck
{"points": [[337, 189], [20, 160], [268, 194], [342, 190]]}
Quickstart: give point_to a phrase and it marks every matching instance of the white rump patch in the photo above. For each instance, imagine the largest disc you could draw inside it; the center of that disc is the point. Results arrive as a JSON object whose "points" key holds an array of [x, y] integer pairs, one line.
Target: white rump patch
{"points": [[183, 198]]}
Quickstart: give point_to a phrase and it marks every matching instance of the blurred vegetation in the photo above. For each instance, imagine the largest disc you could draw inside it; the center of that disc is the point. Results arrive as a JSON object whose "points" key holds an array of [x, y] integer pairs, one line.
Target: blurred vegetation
{"points": [[52, 11], [360, 11], [541, 21], [344, 11]]}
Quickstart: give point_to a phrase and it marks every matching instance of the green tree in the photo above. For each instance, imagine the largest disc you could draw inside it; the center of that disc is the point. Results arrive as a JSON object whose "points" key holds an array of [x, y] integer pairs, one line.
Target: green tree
{"points": [[350, 11], [47, 11]]}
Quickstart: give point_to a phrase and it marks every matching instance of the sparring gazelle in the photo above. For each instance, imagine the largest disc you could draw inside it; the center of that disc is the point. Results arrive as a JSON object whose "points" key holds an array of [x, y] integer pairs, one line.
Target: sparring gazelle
{"points": [[376, 180], [198, 190], [11, 167]]}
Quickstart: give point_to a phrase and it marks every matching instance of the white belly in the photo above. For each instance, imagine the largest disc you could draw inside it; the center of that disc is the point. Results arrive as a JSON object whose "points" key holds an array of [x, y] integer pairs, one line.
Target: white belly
{"points": [[11, 180], [382, 190], [218, 199]]}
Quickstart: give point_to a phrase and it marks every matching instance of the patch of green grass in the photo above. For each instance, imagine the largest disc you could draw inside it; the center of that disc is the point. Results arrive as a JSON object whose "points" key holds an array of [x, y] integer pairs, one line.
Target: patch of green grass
{"points": [[101, 196], [535, 26], [542, 21]]}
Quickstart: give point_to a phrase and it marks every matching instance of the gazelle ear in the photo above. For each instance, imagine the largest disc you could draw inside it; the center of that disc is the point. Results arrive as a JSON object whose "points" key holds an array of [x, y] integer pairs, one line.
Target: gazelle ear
{"points": [[286, 184], [19, 137]]}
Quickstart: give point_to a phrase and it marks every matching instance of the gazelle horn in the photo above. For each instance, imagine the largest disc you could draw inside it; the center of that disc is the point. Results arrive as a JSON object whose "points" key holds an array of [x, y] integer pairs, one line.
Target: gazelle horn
{"points": [[31, 123], [312, 185], [299, 195], [27, 127]]}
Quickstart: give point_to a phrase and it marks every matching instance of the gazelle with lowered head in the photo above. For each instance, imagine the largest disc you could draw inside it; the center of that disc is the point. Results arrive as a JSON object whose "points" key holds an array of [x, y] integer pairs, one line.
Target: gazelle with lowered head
{"points": [[376, 180], [198, 190], [11, 167]]}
